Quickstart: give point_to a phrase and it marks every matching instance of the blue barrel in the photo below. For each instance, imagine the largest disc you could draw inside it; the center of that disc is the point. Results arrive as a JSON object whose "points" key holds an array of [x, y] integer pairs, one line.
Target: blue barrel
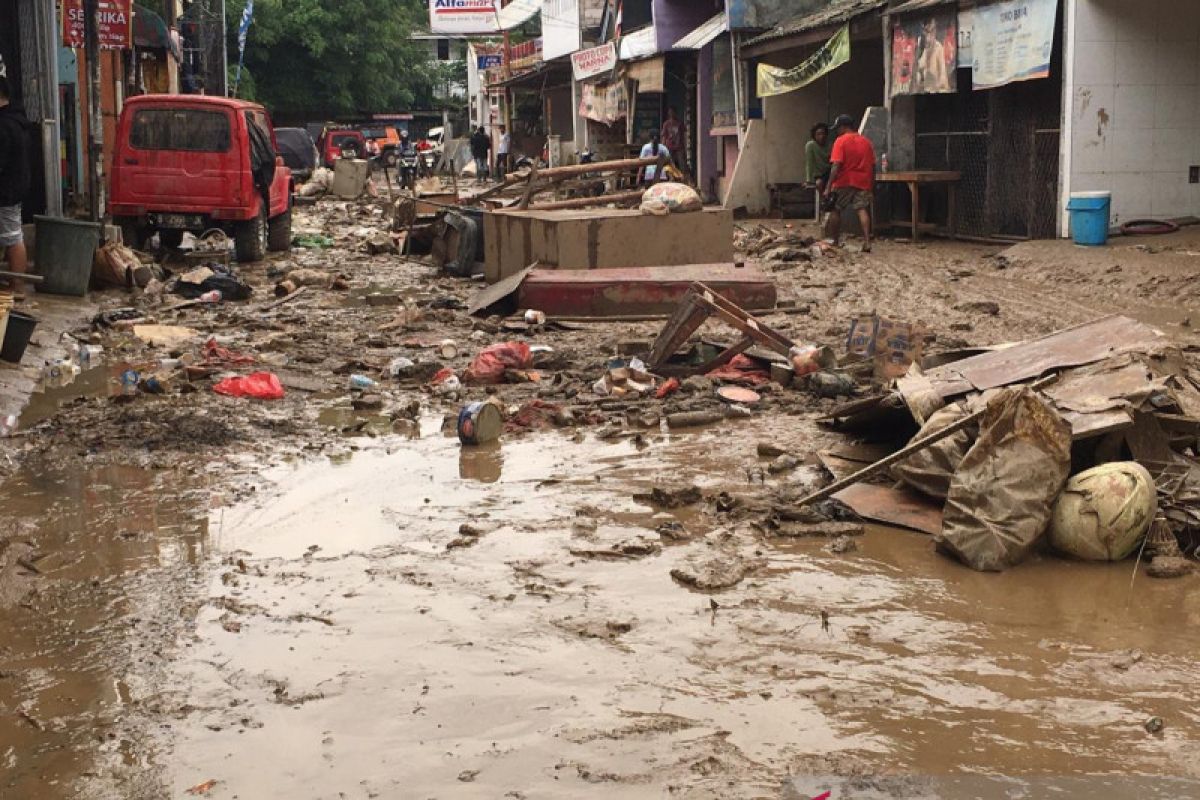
{"points": [[1089, 217]]}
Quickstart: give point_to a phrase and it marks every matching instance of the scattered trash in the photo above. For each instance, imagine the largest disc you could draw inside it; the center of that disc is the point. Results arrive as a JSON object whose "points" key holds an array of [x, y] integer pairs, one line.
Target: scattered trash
{"points": [[362, 383], [533, 317], [625, 379], [171, 337], [490, 365], [679, 198], [669, 387], [1154, 725], [449, 349], [312, 240], [807, 359], [738, 394], [400, 367], [258, 385], [203, 788], [831, 384], [1103, 513]]}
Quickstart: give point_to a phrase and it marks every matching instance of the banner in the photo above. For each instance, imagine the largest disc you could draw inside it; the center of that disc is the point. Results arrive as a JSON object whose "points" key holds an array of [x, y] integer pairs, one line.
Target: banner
{"points": [[834, 53], [925, 52], [463, 16], [114, 18], [595, 61], [243, 33], [605, 103], [560, 28], [1012, 42]]}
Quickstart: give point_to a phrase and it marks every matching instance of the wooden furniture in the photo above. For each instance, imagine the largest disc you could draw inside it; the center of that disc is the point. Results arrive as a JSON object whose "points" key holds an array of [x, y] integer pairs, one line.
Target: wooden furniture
{"points": [[915, 179]]}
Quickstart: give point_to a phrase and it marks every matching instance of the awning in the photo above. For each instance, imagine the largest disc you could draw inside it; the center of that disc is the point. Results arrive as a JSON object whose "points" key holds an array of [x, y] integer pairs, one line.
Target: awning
{"points": [[917, 5], [149, 30], [639, 44], [546, 75], [650, 74], [518, 12], [710, 30], [836, 13]]}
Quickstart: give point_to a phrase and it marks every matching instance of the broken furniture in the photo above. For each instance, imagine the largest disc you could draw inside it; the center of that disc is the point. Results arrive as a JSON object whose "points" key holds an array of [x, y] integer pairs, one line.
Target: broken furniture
{"points": [[914, 180], [640, 291], [698, 305], [603, 239]]}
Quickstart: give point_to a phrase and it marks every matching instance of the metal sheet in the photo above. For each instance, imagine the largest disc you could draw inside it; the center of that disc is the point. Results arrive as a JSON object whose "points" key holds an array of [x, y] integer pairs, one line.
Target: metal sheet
{"points": [[704, 34], [893, 506]]}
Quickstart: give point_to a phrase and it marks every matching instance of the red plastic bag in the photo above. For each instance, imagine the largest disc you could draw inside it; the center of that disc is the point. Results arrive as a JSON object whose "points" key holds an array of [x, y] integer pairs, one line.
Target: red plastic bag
{"points": [[743, 370], [216, 354], [668, 388], [493, 360], [260, 385]]}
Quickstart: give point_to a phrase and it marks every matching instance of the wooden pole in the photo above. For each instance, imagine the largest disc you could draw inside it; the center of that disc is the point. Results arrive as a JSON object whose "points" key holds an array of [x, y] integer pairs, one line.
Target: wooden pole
{"points": [[584, 202]]}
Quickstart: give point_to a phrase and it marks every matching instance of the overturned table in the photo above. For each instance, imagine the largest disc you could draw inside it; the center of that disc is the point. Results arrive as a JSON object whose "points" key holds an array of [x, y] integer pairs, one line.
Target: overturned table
{"points": [[915, 179]]}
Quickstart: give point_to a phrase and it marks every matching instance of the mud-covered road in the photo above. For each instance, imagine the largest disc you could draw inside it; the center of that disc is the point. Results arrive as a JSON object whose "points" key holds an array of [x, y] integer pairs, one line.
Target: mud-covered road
{"points": [[300, 600]]}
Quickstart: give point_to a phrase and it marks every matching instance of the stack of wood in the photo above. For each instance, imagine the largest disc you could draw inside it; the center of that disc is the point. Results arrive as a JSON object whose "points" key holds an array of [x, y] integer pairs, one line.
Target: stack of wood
{"points": [[583, 186]]}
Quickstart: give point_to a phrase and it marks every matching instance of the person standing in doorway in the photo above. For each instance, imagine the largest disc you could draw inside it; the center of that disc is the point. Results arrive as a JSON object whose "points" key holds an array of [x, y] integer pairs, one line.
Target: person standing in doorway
{"points": [[15, 180], [653, 149], [672, 139], [502, 153], [851, 180], [816, 157]]}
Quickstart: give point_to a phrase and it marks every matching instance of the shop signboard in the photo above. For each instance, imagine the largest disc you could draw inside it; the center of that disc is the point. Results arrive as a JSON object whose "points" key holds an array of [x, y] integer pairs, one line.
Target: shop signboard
{"points": [[594, 61], [1012, 41], [114, 19], [463, 16]]}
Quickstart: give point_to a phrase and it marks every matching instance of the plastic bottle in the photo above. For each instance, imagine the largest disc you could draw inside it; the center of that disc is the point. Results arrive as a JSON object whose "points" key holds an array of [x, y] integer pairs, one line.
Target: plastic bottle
{"points": [[8, 425], [883, 163], [129, 382], [362, 383]]}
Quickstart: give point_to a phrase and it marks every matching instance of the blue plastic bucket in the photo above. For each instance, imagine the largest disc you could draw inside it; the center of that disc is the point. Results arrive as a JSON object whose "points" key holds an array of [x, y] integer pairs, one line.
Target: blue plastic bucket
{"points": [[1089, 217]]}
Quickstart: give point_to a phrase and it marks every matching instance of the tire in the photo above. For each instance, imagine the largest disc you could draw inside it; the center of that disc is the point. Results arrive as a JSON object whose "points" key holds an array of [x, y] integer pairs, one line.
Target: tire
{"points": [[250, 238], [132, 234], [169, 238], [279, 232]]}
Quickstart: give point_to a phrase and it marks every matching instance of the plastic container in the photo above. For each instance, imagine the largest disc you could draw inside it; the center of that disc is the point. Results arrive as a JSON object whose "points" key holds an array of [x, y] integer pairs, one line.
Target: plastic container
{"points": [[1090, 217], [362, 383], [480, 423], [64, 249], [17, 336]]}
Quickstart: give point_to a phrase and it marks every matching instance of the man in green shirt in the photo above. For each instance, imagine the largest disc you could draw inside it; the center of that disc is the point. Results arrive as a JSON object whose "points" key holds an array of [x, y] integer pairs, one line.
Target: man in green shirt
{"points": [[816, 157]]}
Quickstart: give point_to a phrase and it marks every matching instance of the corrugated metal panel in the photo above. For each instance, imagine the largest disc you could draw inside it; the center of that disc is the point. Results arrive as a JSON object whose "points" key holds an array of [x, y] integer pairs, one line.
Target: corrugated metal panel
{"points": [[836, 13], [917, 5], [700, 37]]}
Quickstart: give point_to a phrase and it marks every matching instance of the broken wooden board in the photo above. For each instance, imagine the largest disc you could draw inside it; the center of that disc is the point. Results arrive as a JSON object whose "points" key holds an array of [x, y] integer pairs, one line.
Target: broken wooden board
{"points": [[1072, 347], [899, 507]]}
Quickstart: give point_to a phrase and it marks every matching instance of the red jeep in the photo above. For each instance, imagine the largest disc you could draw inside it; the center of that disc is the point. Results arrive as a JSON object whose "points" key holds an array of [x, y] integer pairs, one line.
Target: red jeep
{"points": [[190, 163]]}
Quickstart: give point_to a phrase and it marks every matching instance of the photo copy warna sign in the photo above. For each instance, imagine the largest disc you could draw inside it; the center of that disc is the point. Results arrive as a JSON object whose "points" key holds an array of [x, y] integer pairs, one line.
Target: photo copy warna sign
{"points": [[463, 16]]}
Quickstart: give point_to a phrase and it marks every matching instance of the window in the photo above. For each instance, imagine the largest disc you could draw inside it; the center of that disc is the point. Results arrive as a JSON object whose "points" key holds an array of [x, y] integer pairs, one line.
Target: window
{"points": [[180, 129], [635, 14], [443, 49]]}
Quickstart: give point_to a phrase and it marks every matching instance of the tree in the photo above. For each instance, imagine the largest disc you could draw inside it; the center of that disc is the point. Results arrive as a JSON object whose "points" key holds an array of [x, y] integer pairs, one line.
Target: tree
{"points": [[320, 59]]}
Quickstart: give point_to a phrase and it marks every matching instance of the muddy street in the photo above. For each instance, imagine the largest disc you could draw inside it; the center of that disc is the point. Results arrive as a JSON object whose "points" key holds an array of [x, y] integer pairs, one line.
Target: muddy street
{"points": [[326, 596]]}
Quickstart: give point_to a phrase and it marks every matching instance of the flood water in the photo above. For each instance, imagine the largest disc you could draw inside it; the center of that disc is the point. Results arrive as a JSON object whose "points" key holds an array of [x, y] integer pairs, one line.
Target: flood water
{"points": [[343, 635]]}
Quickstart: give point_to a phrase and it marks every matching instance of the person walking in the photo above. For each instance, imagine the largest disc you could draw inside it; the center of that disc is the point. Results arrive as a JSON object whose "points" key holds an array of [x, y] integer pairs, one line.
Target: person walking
{"points": [[15, 179], [851, 180], [502, 153], [481, 145]]}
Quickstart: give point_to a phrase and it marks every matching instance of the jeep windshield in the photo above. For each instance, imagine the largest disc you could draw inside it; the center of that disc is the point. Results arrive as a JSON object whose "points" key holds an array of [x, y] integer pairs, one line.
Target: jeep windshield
{"points": [[186, 129]]}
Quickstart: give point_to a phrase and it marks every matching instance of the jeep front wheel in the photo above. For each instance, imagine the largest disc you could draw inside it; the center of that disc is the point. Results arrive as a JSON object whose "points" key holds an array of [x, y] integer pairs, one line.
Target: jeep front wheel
{"points": [[250, 238], [279, 232]]}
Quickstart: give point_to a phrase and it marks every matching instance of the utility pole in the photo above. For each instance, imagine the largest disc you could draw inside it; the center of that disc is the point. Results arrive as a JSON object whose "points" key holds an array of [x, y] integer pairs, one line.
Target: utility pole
{"points": [[224, 55], [91, 51]]}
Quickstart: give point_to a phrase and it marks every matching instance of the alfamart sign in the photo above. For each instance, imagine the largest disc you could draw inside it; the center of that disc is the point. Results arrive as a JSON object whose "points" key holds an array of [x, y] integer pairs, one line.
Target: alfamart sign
{"points": [[463, 16]]}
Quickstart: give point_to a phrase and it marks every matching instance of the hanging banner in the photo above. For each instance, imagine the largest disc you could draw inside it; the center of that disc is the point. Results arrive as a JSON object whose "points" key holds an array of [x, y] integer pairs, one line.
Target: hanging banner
{"points": [[925, 52], [595, 61], [463, 16], [560, 28], [605, 103], [243, 33], [114, 18], [1012, 41], [834, 53]]}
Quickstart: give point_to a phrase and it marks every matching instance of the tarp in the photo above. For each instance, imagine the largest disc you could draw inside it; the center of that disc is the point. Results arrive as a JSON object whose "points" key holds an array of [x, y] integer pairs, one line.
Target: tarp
{"points": [[605, 103], [518, 12], [639, 44], [704, 34], [830, 56], [1012, 41]]}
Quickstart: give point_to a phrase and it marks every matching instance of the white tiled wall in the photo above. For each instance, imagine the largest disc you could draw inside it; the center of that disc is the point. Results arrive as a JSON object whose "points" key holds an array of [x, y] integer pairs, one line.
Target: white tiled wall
{"points": [[1136, 104]]}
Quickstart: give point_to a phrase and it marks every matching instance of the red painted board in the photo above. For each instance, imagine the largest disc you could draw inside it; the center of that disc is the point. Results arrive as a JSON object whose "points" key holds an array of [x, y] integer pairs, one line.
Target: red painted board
{"points": [[640, 291]]}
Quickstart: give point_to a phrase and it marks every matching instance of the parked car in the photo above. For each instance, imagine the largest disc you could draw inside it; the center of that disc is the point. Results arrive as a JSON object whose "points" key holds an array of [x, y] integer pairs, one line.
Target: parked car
{"points": [[338, 143], [195, 162], [298, 151]]}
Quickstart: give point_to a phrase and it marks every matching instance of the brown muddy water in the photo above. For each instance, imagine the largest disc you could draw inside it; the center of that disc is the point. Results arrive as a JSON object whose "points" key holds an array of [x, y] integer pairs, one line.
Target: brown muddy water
{"points": [[344, 636]]}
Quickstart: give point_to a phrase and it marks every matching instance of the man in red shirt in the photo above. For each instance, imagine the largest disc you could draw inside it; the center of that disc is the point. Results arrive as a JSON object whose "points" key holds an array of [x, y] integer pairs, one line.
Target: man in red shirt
{"points": [[851, 180]]}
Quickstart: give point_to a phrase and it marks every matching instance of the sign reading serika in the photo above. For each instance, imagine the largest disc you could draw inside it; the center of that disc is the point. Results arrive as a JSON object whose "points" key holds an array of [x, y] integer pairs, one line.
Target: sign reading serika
{"points": [[114, 18], [595, 61], [463, 16], [1013, 41], [834, 53]]}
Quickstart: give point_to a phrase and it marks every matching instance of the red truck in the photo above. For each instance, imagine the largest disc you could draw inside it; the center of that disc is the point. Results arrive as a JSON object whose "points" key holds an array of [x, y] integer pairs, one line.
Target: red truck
{"points": [[191, 163]]}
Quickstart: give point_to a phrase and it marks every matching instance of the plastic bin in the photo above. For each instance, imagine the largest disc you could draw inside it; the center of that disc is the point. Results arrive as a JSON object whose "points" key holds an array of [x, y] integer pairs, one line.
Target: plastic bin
{"points": [[64, 252], [17, 336], [1089, 217]]}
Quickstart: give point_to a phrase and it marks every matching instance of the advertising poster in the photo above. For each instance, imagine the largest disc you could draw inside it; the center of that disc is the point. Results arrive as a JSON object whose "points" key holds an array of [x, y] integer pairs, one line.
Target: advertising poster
{"points": [[925, 52], [114, 18], [463, 16], [605, 103], [1012, 42]]}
